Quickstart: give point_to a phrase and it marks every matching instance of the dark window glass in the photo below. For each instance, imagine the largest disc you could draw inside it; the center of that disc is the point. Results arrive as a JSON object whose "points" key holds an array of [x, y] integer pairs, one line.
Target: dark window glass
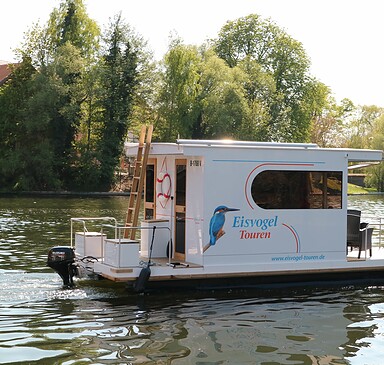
{"points": [[150, 184], [273, 189], [180, 184], [180, 233]]}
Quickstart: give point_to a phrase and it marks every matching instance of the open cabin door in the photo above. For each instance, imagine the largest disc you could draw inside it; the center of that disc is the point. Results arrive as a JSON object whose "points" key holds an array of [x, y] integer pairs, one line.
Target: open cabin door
{"points": [[180, 208]]}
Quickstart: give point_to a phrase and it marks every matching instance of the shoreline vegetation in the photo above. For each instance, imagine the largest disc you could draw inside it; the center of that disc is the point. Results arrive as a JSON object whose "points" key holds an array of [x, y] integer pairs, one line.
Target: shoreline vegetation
{"points": [[360, 190], [66, 193], [352, 190]]}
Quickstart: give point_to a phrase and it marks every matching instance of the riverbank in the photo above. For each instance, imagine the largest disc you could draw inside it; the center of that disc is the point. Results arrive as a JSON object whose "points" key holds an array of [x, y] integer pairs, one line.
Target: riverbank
{"points": [[352, 190], [66, 193], [359, 190]]}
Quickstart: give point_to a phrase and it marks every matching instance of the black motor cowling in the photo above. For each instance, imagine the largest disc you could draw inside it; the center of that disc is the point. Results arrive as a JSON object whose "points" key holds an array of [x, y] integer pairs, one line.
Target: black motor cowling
{"points": [[62, 259]]}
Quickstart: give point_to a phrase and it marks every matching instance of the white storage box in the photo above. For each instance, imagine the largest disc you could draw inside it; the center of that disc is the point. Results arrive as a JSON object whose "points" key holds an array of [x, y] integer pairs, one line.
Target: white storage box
{"points": [[89, 244], [121, 253], [161, 238]]}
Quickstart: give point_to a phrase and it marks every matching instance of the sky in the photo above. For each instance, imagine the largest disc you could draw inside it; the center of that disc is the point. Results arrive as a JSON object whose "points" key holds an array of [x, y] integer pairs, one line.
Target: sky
{"points": [[342, 38]]}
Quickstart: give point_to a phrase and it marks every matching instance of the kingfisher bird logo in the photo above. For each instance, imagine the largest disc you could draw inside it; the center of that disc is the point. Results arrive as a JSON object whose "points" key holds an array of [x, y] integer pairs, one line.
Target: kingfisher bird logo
{"points": [[216, 225]]}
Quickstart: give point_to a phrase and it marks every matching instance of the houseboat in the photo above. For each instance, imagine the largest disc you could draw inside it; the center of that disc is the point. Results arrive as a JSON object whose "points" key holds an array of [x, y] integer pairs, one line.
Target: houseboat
{"points": [[221, 213]]}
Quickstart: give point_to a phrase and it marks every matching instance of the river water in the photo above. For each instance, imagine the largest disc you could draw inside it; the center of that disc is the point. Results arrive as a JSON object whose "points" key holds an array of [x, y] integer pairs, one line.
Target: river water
{"points": [[100, 323]]}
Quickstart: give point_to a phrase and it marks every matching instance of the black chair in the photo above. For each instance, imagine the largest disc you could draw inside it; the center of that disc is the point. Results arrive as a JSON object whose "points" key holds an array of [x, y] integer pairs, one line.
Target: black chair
{"points": [[358, 234], [354, 212]]}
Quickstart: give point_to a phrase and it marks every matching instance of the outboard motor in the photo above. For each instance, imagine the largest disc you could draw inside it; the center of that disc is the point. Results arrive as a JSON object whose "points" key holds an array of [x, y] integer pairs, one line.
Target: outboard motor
{"points": [[62, 259]]}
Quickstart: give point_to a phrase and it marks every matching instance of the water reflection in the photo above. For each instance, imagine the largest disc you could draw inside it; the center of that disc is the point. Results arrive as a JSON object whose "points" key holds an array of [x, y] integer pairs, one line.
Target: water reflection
{"points": [[29, 226], [98, 322]]}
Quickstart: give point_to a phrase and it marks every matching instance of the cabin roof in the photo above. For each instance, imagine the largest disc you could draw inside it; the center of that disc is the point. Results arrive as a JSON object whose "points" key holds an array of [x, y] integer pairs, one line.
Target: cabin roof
{"points": [[197, 147]]}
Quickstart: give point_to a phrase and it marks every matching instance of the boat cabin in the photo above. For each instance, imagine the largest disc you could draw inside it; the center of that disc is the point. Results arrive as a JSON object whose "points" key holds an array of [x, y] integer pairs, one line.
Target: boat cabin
{"points": [[231, 209], [241, 204]]}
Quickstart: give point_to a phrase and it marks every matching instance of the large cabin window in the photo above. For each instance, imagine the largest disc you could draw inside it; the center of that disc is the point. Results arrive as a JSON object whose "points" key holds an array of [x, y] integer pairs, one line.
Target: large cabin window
{"points": [[276, 189]]}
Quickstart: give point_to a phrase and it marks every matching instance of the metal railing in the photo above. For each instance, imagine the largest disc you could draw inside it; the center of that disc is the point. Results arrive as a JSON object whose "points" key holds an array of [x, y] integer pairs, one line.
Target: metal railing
{"points": [[83, 221], [108, 228]]}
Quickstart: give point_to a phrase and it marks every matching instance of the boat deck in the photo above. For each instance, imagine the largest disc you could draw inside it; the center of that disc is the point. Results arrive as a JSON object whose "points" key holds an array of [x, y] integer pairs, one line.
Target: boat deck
{"points": [[377, 254], [175, 264], [166, 269], [131, 273]]}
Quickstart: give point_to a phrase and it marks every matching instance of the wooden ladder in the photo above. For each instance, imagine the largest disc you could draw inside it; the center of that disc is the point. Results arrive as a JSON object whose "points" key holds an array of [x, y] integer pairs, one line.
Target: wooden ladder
{"points": [[138, 181]]}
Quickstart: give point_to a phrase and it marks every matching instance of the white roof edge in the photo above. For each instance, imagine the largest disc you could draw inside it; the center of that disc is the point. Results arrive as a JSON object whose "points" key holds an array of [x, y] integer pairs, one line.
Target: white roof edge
{"points": [[162, 148], [229, 143], [356, 155]]}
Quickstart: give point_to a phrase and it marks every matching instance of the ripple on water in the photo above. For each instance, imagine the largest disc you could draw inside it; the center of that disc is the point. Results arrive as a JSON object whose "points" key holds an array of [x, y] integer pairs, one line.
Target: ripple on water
{"points": [[24, 354]]}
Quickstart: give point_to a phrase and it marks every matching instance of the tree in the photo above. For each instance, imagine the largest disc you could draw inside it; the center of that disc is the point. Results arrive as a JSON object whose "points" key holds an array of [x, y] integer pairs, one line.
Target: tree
{"points": [[119, 79], [65, 74], [328, 117], [375, 117], [260, 90], [70, 23], [280, 57], [144, 107], [70, 28], [26, 158], [361, 126], [224, 112], [62, 53], [179, 91], [202, 97], [36, 46], [13, 96]]}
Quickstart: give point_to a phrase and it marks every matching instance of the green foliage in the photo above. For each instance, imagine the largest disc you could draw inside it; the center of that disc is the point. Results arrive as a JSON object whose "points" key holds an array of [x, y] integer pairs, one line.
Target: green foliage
{"points": [[70, 23], [261, 91], [365, 129], [51, 113], [364, 126], [179, 91], [355, 189], [327, 117], [224, 108], [281, 59], [26, 157], [36, 46], [118, 81], [375, 177], [201, 96], [374, 117]]}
